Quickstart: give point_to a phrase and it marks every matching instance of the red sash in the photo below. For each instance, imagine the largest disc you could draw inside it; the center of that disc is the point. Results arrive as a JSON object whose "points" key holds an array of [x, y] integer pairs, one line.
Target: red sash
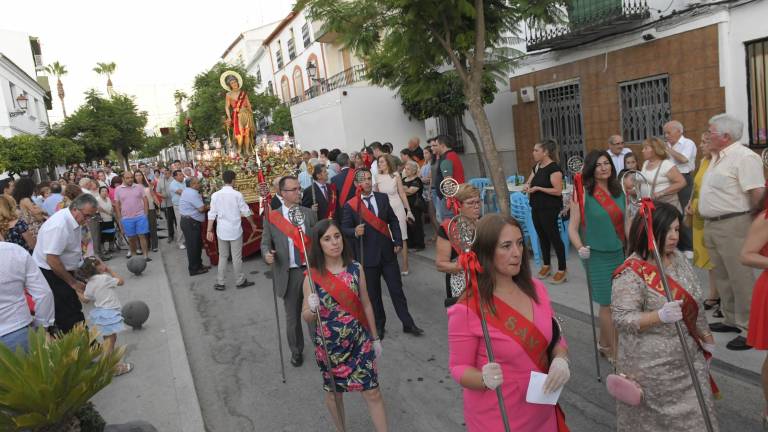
{"points": [[614, 211], [650, 274], [290, 230], [347, 186], [445, 225], [331, 200], [517, 327], [343, 294], [237, 105], [368, 216]]}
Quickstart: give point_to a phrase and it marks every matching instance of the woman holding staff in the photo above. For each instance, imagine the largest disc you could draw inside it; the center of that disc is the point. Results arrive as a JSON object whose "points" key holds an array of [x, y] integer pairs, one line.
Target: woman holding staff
{"points": [[346, 311], [520, 323], [649, 348]]}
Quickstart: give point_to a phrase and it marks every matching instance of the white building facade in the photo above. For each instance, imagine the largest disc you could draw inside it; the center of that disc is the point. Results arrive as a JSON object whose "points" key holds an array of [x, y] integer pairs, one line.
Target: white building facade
{"points": [[15, 85]]}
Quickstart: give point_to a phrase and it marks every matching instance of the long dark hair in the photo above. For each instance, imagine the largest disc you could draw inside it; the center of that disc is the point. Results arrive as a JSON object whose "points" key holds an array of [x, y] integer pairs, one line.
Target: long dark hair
{"points": [[663, 217], [24, 188], [316, 256], [488, 232], [144, 181], [588, 173]]}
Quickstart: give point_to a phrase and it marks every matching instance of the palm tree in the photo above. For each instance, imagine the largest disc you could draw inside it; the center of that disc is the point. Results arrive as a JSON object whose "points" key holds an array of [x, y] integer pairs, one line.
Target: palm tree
{"points": [[179, 97], [106, 69], [58, 70]]}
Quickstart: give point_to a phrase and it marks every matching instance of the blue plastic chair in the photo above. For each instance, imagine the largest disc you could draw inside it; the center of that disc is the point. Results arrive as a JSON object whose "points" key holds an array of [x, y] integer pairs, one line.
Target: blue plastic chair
{"points": [[521, 210], [481, 183], [512, 179], [521, 179]]}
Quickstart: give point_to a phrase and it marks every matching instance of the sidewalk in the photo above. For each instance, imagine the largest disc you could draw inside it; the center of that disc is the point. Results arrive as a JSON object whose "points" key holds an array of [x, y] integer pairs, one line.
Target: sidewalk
{"points": [[573, 294], [160, 389]]}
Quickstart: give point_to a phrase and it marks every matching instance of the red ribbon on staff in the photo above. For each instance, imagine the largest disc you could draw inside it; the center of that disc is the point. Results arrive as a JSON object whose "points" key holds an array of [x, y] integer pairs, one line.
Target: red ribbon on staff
{"points": [[646, 211], [578, 186], [264, 205], [469, 262], [452, 204]]}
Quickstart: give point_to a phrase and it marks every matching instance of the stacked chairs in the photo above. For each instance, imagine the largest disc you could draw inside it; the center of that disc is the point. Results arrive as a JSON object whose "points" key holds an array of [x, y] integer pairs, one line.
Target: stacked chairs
{"points": [[481, 183], [521, 210]]}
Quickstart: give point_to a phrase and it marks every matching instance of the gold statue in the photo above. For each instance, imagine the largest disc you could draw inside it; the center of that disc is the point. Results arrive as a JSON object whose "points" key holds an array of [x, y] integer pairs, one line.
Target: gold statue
{"points": [[237, 100]]}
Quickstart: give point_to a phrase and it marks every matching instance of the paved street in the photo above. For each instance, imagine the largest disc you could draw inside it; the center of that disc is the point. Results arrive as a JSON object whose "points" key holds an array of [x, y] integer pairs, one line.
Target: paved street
{"points": [[230, 340]]}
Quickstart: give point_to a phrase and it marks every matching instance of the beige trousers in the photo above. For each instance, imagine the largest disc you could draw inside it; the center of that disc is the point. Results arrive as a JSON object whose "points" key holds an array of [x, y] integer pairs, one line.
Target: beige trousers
{"points": [[236, 248], [723, 240]]}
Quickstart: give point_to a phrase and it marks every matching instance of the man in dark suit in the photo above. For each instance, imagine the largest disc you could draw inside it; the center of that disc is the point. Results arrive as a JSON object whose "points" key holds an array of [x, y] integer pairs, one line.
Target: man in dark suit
{"points": [[319, 196], [375, 221], [281, 245], [344, 184]]}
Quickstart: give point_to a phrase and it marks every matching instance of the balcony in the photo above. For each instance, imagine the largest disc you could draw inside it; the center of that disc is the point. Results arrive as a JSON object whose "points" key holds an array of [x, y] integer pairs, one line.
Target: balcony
{"points": [[342, 79], [588, 20]]}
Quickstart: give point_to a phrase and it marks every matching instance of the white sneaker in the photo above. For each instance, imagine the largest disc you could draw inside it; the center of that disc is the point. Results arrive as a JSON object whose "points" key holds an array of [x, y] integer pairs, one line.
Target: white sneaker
{"points": [[181, 246], [128, 255]]}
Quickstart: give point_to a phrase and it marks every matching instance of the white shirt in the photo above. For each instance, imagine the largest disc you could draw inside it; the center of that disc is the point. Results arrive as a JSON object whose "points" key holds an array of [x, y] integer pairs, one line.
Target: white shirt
{"points": [[662, 180], [291, 258], [227, 207], [20, 271], [374, 171], [375, 208], [618, 161], [110, 176], [728, 180], [687, 148], [60, 235], [105, 208], [101, 289]]}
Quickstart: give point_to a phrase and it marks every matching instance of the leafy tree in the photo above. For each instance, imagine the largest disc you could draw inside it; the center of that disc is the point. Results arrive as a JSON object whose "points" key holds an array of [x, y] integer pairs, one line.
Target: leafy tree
{"points": [[20, 153], [178, 97], [106, 69], [58, 70], [264, 104], [281, 121], [101, 125], [153, 145], [397, 37]]}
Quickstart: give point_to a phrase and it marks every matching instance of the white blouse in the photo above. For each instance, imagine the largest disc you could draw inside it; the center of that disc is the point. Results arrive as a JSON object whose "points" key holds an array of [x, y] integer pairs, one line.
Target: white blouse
{"points": [[662, 180]]}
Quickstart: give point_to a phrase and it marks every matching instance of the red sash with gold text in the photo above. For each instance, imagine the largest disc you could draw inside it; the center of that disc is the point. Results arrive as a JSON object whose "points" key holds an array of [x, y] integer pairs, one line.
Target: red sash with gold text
{"points": [[650, 274], [517, 327], [614, 211], [347, 186], [343, 294], [290, 230], [368, 216]]}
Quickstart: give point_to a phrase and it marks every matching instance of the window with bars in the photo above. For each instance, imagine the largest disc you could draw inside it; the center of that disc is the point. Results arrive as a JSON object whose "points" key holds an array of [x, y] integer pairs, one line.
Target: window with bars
{"points": [[305, 35], [291, 49], [757, 85], [451, 126], [645, 107], [279, 56]]}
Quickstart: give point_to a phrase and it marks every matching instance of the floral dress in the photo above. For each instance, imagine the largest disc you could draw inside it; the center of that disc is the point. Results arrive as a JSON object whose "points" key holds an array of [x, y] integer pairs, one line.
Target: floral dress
{"points": [[349, 343], [15, 234]]}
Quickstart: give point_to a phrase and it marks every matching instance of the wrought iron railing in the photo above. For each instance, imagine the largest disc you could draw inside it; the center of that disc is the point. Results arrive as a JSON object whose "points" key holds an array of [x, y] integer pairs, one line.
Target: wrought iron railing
{"points": [[344, 78], [587, 19]]}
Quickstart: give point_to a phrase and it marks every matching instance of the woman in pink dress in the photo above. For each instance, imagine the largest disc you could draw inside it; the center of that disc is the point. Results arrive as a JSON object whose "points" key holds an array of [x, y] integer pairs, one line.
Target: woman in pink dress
{"points": [[512, 301]]}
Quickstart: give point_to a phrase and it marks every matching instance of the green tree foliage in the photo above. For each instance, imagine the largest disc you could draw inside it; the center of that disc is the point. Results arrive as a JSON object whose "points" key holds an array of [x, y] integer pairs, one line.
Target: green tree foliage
{"points": [[399, 39], [281, 121], [101, 125], [153, 145], [27, 152]]}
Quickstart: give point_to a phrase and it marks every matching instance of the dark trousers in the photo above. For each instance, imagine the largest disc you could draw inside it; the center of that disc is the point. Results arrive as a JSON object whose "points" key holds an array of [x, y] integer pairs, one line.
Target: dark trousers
{"points": [[152, 216], [67, 306], [170, 220], [391, 273], [292, 301], [684, 195], [194, 242], [416, 230], [545, 222]]}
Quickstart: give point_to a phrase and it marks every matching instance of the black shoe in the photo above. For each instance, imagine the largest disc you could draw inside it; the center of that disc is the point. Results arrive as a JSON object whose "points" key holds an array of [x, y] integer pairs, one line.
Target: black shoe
{"points": [[147, 259], [717, 313], [170, 240], [723, 328], [413, 330], [219, 287], [297, 360], [198, 272], [710, 303], [246, 283], [739, 343], [381, 332]]}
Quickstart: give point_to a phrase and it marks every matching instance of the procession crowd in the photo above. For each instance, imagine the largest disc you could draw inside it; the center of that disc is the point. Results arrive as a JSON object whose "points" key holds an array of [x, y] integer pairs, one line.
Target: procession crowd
{"points": [[344, 222]]}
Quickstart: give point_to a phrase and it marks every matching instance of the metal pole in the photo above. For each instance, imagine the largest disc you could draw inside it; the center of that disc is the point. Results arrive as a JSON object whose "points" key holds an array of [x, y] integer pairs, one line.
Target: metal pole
{"points": [[277, 314], [592, 320]]}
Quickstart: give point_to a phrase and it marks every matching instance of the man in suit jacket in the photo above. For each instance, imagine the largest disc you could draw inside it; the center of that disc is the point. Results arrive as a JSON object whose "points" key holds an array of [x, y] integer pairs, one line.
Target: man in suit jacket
{"points": [[281, 245], [319, 195], [375, 221], [344, 184]]}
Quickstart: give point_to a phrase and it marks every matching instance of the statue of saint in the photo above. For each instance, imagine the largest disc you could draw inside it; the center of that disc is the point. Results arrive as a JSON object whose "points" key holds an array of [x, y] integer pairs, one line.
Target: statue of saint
{"points": [[239, 112]]}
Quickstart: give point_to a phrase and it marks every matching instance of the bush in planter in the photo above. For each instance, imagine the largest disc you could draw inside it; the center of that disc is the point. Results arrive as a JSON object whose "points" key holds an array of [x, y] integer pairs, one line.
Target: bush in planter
{"points": [[44, 389]]}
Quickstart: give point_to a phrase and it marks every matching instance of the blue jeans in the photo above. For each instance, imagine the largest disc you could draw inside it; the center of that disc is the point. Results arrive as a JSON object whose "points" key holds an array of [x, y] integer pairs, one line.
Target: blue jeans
{"points": [[16, 338], [441, 212]]}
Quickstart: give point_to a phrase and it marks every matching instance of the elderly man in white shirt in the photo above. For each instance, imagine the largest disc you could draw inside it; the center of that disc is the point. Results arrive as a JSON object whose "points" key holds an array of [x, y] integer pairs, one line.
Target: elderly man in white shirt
{"points": [[59, 253], [682, 152], [18, 272], [616, 151], [227, 207]]}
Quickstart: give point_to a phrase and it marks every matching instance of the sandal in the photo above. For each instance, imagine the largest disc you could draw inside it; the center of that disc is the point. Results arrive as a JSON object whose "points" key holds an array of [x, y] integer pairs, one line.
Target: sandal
{"points": [[606, 352], [710, 303], [122, 369], [718, 313]]}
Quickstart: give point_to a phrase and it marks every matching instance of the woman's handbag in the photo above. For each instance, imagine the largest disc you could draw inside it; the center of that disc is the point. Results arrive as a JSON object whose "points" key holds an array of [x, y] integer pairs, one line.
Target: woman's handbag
{"points": [[622, 387]]}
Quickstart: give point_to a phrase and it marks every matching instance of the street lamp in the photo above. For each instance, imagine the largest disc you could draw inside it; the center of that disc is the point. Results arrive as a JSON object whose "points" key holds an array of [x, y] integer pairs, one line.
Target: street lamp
{"points": [[21, 102], [312, 71]]}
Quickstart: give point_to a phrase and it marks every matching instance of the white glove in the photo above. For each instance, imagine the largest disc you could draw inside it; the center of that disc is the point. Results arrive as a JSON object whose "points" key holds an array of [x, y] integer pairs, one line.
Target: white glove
{"points": [[314, 302], [377, 349], [584, 252], [671, 312], [559, 374], [710, 348], [492, 376]]}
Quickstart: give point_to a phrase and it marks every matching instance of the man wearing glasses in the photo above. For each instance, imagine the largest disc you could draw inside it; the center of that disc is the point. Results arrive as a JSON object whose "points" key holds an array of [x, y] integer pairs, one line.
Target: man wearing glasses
{"points": [[59, 253], [616, 151]]}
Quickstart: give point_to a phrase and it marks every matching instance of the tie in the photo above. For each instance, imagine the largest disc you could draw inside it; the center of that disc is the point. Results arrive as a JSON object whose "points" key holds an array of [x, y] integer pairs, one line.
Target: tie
{"points": [[370, 205], [325, 193]]}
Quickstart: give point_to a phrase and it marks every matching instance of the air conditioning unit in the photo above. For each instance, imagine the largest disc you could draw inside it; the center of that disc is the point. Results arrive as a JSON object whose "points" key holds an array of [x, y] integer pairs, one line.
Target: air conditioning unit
{"points": [[527, 94]]}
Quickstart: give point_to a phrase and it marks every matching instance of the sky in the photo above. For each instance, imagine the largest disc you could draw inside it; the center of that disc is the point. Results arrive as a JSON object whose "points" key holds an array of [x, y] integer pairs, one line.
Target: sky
{"points": [[159, 46]]}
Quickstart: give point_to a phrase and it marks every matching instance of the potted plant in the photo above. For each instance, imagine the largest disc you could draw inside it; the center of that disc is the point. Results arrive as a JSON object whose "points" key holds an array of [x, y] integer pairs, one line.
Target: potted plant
{"points": [[47, 388]]}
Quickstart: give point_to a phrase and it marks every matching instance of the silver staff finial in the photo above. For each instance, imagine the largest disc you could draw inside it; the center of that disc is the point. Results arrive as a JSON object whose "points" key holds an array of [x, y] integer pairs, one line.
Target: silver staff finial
{"points": [[575, 164], [296, 216], [449, 187]]}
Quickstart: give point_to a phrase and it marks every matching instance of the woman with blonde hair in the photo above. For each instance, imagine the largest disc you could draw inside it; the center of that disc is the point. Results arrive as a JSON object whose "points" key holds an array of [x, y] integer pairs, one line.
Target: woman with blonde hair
{"points": [[13, 229], [388, 181], [414, 189], [664, 179]]}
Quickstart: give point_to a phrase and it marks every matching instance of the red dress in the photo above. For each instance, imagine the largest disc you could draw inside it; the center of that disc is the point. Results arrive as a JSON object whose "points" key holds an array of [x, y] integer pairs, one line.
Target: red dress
{"points": [[757, 337]]}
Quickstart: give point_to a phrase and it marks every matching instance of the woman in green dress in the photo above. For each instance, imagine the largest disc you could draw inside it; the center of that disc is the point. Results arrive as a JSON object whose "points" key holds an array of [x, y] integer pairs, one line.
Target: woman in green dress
{"points": [[597, 230]]}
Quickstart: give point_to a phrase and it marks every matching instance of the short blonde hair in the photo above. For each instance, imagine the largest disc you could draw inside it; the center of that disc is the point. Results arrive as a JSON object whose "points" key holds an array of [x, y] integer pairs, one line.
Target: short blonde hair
{"points": [[658, 146], [466, 191]]}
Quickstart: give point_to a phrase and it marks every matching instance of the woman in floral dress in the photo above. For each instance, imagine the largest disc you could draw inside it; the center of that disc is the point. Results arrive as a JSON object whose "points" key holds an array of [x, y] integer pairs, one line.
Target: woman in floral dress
{"points": [[337, 291]]}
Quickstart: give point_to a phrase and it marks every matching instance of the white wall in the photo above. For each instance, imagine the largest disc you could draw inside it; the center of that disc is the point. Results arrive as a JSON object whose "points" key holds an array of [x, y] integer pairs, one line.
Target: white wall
{"points": [[335, 120], [35, 119], [15, 45]]}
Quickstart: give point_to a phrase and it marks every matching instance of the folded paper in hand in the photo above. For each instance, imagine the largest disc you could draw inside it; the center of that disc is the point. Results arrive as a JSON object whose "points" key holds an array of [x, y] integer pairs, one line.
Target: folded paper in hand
{"points": [[536, 395]]}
